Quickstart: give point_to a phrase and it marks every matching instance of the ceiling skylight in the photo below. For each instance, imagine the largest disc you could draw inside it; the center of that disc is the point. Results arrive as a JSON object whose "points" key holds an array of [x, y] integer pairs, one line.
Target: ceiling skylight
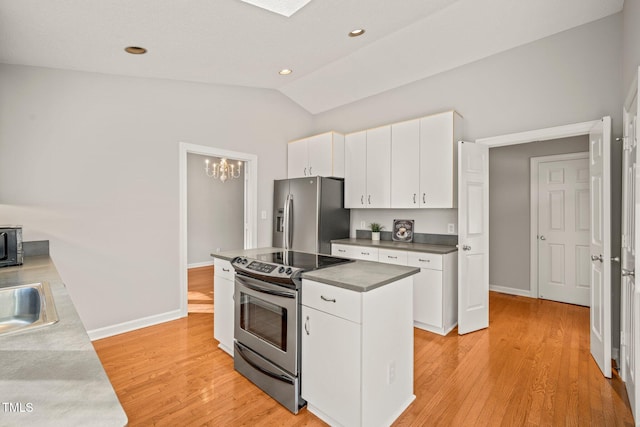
{"points": [[282, 7]]}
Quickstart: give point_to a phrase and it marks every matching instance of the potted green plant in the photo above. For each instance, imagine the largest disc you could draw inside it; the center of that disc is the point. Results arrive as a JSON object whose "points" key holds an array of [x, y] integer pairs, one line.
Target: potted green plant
{"points": [[375, 230]]}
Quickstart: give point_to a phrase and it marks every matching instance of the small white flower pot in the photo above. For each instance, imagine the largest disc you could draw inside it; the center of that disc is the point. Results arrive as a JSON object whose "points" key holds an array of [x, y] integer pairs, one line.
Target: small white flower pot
{"points": [[375, 235]]}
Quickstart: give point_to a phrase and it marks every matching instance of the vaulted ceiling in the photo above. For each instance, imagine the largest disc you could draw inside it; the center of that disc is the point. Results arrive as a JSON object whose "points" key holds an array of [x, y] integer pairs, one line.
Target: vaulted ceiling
{"points": [[232, 42]]}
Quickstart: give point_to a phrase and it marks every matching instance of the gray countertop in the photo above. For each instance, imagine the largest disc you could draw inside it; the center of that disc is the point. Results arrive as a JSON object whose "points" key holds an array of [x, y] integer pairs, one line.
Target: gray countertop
{"points": [[389, 244], [53, 370], [359, 276]]}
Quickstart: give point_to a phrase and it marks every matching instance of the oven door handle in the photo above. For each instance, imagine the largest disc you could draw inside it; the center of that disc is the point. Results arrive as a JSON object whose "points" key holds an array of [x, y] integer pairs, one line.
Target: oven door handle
{"points": [[254, 284], [273, 375]]}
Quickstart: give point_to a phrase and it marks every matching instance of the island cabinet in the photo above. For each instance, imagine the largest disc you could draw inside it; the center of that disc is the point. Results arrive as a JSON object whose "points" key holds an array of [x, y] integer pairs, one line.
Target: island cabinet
{"points": [[319, 155], [368, 169], [435, 288], [223, 305], [357, 353]]}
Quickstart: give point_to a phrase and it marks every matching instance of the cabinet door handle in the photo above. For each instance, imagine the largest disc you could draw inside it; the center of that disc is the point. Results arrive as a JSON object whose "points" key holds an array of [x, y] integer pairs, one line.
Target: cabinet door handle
{"points": [[226, 270], [369, 198], [306, 325], [424, 260], [326, 299], [310, 168], [423, 197], [342, 250], [392, 257], [305, 171], [414, 198], [364, 253], [362, 199]]}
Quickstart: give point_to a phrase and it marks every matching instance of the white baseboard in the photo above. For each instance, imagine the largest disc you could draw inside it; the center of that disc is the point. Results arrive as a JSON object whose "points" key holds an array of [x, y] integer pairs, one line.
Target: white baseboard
{"points": [[132, 325], [511, 291], [200, 264]]}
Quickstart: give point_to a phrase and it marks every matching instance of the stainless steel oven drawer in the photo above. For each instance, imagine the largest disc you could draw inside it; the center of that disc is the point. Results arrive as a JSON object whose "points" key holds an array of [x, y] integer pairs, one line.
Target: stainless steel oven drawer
{"points": [[274, 381]]}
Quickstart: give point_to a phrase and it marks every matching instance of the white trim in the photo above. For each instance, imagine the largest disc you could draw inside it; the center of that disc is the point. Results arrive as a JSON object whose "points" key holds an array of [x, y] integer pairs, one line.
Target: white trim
{"points": [[533, 206], [132, 325], [251, 205], [200, 264], [555, 132], [511, 291]]}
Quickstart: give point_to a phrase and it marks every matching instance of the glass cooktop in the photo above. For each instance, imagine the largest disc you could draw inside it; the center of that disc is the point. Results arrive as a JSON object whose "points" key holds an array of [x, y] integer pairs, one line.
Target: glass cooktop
{"points": [[302, 260]]}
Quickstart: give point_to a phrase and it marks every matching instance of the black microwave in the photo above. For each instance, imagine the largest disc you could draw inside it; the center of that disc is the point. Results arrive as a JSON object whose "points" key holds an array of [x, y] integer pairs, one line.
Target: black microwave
{"points": [[10, 246]]}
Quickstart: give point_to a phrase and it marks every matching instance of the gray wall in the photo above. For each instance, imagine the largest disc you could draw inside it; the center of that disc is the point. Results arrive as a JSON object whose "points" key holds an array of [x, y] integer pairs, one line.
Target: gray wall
{"points": [[630, 43], [570, 77], [215, 220], [509, 207], [90, 162]]}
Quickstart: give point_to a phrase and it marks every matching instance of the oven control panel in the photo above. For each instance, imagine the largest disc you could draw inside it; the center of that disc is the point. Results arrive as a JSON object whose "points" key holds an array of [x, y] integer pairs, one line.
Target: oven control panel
{"points": [[265, 269]]}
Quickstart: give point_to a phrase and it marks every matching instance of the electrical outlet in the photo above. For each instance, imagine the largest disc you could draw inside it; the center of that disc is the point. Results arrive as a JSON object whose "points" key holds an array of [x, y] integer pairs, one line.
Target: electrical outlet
{"points": [[391, 372], [363, 225], [451, 228]]}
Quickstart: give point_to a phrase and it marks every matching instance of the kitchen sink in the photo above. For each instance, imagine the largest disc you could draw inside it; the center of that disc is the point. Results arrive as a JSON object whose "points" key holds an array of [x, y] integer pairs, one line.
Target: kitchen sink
{"points": [[26, 307]]}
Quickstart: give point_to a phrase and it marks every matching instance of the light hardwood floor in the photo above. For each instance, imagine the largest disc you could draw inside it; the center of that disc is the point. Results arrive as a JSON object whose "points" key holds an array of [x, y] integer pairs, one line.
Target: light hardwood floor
{"points": [[200, 289], [531, 367]]}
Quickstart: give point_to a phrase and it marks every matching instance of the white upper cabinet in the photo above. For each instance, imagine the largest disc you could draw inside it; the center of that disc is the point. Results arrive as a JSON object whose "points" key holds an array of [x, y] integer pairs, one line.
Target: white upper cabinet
{"points": [[439, 136], [379, 167], [411, 164], [355, 171], [405, 164], [368, 168], [319, 155]]}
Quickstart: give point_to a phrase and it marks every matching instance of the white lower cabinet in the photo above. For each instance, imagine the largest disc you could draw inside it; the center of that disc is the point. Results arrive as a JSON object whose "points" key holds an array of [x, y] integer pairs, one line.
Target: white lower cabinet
{"points": [[435, 288], [357, 353], [435, 291], [331, 365], [223, 304]]}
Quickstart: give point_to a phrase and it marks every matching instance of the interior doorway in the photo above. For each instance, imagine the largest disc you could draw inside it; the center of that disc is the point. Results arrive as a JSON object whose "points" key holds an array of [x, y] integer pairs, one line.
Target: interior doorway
{"points": [[250, 220], [560, 225]]}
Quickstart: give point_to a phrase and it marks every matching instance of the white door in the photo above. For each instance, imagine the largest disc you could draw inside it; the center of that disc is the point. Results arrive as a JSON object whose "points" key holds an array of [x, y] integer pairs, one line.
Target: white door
{"points": [[564, 260], [600, 171], [473, 237], [630, 295]]}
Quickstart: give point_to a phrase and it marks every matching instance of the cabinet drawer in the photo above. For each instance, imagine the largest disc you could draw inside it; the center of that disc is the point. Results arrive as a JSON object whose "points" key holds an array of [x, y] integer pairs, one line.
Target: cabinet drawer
{"points": [[391, 256], [425, 260], [355, 252], [223, 268], [365, 253], [331, 299], [342, 250]]}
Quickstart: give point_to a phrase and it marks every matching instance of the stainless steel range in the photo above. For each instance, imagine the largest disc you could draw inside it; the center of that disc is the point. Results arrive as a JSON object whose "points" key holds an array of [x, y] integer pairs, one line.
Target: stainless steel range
{"points": [[268, 322]]}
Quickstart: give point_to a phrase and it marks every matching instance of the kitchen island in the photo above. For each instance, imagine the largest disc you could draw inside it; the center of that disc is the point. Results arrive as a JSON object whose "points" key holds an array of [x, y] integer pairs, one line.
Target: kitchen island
{"points": [[52, 376], [356, 340]]}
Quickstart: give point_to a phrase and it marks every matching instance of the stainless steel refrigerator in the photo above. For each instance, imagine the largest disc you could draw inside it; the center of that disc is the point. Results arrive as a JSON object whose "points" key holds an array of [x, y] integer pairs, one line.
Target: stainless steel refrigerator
{"points": [[309, 213]]}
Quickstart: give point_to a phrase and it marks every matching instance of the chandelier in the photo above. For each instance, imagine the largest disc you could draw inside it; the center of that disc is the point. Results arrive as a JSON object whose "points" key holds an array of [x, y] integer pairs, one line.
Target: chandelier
{"points": [[223, 170]]}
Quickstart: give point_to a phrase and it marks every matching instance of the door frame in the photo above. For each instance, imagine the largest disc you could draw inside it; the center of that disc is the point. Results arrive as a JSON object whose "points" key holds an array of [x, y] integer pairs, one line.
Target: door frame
{"points": [[250, 205], [533, 235]]}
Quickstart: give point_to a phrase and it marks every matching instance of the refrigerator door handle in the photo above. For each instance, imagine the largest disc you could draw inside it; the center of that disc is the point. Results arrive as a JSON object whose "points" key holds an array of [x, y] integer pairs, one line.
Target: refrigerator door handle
{"points": [[287, 221]]}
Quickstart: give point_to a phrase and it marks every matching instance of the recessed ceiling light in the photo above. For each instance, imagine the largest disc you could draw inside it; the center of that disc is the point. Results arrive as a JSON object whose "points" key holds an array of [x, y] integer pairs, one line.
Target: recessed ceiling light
{"points": [[285, 71], [135, 50], [356, 33]]}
